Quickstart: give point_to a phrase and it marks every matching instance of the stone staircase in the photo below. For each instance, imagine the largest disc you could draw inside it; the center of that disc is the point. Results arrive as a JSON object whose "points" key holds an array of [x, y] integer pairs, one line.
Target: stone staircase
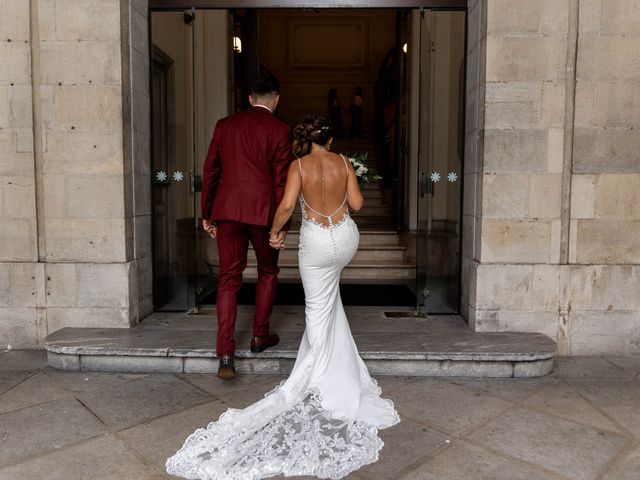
{"points": [[381, 257]]}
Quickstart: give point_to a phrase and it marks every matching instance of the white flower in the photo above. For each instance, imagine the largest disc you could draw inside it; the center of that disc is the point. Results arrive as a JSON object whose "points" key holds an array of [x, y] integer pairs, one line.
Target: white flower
{"points": [[178, 176], [360, 170], [435, 177], [452, 177], [161, 176]]}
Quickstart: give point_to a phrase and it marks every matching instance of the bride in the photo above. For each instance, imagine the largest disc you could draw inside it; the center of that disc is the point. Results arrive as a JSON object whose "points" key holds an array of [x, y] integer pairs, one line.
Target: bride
{"points": [[324, 419]]}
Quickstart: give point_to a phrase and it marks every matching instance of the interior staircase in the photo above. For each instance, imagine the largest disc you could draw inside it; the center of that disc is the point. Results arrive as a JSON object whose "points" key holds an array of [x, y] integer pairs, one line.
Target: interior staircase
{"points": [[381, 256]]}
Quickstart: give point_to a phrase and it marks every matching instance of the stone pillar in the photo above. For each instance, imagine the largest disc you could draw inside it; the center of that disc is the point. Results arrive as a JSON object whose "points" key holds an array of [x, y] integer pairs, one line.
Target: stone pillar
{"points": [[520, 172], [137, 146], [77, 206], [604, 251], [474, 151], [18, 224], [536, 146]]}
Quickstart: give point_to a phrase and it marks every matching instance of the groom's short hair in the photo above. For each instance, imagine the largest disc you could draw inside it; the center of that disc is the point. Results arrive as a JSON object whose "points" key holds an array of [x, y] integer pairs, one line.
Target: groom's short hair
{"points": [[265, 84]]}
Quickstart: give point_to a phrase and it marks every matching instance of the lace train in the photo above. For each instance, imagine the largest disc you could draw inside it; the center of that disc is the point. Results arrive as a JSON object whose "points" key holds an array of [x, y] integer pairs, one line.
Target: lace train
{"points": [[324, 419], [303, 440]]}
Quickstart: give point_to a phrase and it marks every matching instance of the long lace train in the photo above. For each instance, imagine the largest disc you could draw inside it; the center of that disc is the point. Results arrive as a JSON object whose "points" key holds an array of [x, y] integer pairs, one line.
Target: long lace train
{"points": [[324, 419]]}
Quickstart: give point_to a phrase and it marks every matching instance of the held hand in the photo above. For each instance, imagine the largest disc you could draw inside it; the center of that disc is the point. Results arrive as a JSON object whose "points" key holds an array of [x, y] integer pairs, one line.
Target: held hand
{"points": [[276, 240], [210, 228]]}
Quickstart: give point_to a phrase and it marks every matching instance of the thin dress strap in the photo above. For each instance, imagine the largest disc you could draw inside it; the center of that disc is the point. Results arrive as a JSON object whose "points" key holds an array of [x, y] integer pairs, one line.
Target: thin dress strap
{"points": [[346, 165]]}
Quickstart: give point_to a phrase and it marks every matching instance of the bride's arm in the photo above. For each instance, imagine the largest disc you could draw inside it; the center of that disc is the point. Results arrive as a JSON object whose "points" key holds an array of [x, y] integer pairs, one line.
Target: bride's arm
{"points": [[288, 203], [354, 195]]}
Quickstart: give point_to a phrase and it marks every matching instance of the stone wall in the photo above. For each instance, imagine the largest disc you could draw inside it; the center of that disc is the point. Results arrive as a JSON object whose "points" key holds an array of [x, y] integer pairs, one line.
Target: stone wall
{"points": [[556, 250], [73, 117]]}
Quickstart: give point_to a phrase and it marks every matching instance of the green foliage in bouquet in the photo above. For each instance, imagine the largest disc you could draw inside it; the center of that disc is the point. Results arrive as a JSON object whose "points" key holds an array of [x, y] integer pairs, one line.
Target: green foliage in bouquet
{"points": [[364, 173]]}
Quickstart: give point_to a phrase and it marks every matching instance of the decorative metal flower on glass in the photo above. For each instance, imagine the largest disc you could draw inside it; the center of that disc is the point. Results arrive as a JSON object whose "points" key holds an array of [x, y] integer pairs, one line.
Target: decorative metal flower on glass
{"points": [[161, 176], [435, 177], [178, 176], [452, 177]]}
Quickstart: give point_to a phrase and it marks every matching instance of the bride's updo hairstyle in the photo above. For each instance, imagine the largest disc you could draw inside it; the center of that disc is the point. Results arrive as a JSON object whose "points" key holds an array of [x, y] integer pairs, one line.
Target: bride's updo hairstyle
{"points": [[313, 129]]}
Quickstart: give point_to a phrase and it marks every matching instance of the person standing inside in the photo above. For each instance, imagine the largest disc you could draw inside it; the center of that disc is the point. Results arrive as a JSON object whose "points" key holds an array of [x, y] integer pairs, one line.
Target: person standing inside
{"points": [[356, 113], [335, 112], [243, 182]]}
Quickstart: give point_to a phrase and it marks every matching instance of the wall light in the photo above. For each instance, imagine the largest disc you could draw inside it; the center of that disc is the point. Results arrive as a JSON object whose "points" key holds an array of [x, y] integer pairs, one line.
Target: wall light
{"points": [[404, 48], [237, 45]]}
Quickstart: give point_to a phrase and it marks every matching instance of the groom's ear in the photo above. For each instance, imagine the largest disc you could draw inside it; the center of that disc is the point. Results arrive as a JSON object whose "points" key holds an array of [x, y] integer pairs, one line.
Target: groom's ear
{"points": [[251, 100], [275, 101]]}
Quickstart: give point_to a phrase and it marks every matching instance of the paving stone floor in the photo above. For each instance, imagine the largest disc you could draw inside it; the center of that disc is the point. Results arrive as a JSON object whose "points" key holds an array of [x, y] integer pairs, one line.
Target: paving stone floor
{"points": [[582, 422]]}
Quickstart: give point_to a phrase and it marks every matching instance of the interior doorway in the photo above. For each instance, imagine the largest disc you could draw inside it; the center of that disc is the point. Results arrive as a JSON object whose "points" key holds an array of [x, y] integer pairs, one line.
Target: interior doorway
{"points": [[408, 67]]}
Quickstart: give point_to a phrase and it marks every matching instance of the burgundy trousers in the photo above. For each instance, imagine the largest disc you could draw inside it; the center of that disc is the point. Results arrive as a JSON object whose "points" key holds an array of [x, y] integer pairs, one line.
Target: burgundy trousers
{"points": [[233, 241]]}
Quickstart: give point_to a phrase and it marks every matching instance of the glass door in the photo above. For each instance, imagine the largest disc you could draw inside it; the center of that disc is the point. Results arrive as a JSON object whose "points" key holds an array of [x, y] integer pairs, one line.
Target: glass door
{"points": [[191, 89], [440, 153], [174, 207]]}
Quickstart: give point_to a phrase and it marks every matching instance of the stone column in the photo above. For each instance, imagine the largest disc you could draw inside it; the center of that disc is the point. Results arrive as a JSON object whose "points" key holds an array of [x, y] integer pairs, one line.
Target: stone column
{"points": [[76, 208], [521, 169], [540, 263], [137, 146], [604, 251], [474, 151], [18, 224]]}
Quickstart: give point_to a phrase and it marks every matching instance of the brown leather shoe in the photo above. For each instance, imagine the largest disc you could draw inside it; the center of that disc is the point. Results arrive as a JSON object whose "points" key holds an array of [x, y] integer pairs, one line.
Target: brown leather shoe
{"points": [[260, 344], [227, 369]]}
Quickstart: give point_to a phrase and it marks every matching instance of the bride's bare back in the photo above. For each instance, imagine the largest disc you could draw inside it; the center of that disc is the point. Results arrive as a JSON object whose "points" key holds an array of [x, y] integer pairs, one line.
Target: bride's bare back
{"points": [[326, 183], [324, 187]]}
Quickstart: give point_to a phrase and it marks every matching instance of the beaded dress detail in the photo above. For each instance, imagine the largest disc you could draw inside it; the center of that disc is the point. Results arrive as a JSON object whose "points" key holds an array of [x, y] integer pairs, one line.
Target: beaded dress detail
{"points": [[324, 419]]}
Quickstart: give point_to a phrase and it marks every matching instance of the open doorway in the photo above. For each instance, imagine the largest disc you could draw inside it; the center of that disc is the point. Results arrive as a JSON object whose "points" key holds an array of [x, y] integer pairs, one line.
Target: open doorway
{"points": [[404, 66]]}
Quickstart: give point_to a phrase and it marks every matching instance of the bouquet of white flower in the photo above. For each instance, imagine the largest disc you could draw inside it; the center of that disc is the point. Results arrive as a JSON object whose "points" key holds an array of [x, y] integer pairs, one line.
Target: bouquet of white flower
{"points": [[364, 173]]}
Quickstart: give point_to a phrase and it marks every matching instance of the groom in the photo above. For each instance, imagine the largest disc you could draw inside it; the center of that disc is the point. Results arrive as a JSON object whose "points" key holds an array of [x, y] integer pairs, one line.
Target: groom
{"points": [[243, 182]]}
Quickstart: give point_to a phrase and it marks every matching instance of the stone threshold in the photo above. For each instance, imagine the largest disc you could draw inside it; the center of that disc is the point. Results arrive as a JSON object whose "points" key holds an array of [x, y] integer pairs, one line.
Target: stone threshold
{"points": [[432, 346]]}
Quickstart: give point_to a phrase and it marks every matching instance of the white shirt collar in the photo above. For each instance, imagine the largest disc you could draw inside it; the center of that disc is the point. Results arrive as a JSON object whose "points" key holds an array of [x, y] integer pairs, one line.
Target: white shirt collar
{"points": [[262, 106]]}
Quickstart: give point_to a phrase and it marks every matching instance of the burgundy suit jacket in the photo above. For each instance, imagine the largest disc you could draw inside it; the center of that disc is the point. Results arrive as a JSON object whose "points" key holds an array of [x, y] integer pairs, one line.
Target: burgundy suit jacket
{"points": [[246, 168]]}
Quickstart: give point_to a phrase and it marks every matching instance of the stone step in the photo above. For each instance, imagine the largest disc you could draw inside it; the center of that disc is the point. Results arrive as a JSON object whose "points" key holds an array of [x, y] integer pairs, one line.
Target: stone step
{"points": [[356, 271], [374, 209], [367, 253], [387, 238], [431, 346]]}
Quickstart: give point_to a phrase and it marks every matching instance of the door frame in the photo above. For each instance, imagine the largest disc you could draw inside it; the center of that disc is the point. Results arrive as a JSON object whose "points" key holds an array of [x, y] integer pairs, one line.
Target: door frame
{"points": [[184, 4], [460, 5]]}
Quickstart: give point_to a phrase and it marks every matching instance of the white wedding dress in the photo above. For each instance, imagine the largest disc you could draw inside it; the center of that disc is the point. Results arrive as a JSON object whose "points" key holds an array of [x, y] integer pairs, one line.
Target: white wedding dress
{"points": [[324, 419]]}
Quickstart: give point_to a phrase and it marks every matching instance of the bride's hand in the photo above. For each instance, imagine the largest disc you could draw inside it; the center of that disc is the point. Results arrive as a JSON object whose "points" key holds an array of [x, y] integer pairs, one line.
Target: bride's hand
{"points": [[276, 240]]}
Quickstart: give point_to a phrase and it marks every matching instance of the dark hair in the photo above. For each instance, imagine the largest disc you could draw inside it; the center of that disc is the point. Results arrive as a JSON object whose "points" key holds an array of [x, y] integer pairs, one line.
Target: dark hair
{"points": [[358, 90], [313, 129], [265, 84]]}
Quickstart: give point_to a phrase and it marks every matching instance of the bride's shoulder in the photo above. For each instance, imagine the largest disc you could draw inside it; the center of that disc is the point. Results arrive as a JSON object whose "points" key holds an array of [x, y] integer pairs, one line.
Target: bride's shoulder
{"points": [[342, 157]]}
